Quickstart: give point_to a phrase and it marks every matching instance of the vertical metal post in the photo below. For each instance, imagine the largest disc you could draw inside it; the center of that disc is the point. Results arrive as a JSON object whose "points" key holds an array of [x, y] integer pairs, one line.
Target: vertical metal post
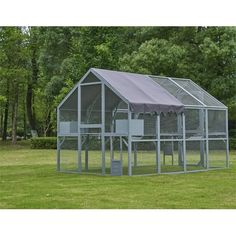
{"points": [[111, 148], [227, 139], [135, 146], [121, 149], [184, 143], [58, 141], [111, 140], [158, 146], [129, 143], [202, 151], [207, 141], [86, 153], [135, 154], [111, 151], [103, 130], [180, 146], [79, 131]]}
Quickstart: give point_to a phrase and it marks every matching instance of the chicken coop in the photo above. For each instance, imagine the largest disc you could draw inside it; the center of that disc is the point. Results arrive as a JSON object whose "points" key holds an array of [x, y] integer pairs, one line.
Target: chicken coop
{"points": [[119, 123]]}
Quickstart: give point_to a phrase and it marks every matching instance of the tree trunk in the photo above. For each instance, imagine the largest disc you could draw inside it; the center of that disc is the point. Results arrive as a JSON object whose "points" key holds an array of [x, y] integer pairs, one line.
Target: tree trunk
{"points": [[25, 135], [1, 123], [29, 96], [4, 133], [29, 107], [48, 125], [14, 115]]}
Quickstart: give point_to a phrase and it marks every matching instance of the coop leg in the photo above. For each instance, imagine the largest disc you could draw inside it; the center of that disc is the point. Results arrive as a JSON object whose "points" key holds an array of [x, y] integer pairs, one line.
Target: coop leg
{"points": [[121, 148], [86, 156], [135, 154], [202, 155], [180, 154]]}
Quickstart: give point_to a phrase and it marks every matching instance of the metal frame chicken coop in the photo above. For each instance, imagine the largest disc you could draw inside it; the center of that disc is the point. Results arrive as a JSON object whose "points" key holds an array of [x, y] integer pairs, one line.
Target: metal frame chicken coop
{"points": [[120, 123]]}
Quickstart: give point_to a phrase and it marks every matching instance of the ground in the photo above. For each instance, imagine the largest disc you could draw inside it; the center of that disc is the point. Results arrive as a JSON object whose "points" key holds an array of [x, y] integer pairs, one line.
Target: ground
{"points": [[28, 179]]}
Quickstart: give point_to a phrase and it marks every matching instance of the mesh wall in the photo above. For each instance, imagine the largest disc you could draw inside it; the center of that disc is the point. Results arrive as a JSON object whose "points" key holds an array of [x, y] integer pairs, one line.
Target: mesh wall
{"points": [[198, 92], [171, 126], [176, 91], [195, 155], [69, 153], [91, 104], [171, 156], [217, 153], [144, 158], [217, 123], [116, 154], [114, 109], [91, 131], [90, 78], [91, 154], [149, 124], [195, 123], [68, 117]]}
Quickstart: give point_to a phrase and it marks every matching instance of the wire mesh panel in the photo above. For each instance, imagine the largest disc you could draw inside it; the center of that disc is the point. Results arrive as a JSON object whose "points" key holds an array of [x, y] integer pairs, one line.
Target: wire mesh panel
{"points": [[91, 154], [144, 159], [149, 124], [68, 153], [195, 155], [171, 126], [115, 109], [171, 156], [116, 150], [68, 115], [90, 78], [176, 91], [198, 92], [195, 123], [217, 153], [216, 123], [91, 104]]}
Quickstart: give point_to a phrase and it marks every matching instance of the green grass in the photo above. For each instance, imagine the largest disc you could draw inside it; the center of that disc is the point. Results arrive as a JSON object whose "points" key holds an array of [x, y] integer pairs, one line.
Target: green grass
{"points": [[28, 179]]}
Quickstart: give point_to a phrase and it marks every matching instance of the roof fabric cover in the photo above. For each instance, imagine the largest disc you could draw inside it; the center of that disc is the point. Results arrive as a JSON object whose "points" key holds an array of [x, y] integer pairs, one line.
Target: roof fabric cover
{"points": [[142, 93]]}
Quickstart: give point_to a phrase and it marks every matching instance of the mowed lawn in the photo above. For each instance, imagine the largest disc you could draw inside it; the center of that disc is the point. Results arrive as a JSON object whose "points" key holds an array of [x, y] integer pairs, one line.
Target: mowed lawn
{"points": [[28, 179]]}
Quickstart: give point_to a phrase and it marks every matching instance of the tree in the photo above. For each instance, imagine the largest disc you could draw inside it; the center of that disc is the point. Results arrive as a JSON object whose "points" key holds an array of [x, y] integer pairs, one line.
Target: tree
{"points": [[39, 65], [156, 56], [34, 49], [204, 54], [14, 62]]}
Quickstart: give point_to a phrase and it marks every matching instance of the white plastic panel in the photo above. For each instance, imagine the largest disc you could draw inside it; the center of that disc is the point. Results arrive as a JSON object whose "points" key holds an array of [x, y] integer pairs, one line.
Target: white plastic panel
{"points": [[68, 127], [137, 127]]}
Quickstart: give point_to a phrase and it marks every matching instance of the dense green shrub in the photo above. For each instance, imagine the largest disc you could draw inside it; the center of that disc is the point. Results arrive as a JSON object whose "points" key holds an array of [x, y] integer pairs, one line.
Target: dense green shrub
{"points": [[44, 143], [232, 143], [94, 144], [232, 133]]}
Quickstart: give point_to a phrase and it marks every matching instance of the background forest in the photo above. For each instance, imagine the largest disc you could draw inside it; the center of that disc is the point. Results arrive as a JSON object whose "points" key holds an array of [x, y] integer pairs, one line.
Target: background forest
{"points": [[39, 65]]}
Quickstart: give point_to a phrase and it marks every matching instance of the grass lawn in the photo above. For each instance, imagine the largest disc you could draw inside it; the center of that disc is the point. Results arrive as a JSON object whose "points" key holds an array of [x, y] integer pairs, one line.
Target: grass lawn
{"points": [[28, 179]]}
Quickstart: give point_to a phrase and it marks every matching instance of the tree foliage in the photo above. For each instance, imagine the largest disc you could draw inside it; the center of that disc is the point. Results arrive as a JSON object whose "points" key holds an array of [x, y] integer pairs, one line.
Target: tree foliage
{"points": [[39, 65]]}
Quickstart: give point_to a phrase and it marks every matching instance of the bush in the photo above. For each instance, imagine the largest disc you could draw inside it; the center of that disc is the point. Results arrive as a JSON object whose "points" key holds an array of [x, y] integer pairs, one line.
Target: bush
{"points": [[44, 143], [232, 133], [232, 143], [94, 144]]}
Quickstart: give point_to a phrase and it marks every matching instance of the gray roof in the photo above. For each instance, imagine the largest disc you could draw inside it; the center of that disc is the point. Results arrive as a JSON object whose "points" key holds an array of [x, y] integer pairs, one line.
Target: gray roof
{"points": [[142, 93]]}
